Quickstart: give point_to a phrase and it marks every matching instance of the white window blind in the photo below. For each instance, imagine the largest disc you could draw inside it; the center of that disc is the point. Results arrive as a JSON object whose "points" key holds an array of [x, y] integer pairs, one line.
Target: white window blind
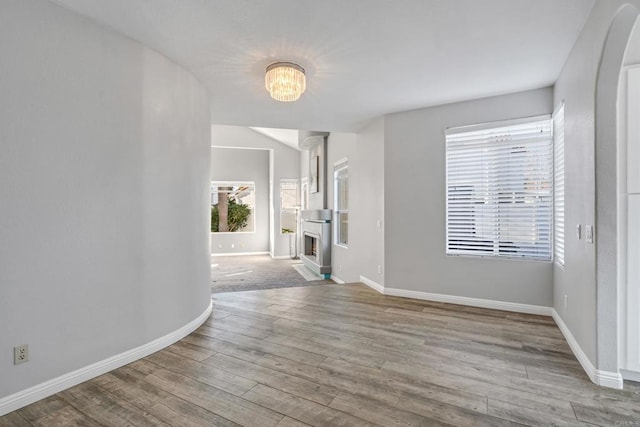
{"points": [[499, 189], [558, 185]]}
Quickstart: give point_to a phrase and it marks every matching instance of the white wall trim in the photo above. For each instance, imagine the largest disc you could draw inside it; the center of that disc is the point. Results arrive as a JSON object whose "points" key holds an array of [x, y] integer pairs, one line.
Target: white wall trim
{"points": [[630, 375], [40, 391], [340, 161], [240, 253], [603, 378], [281, 257], [453, 299], [473, 302], [338, 280], [372, 284]]}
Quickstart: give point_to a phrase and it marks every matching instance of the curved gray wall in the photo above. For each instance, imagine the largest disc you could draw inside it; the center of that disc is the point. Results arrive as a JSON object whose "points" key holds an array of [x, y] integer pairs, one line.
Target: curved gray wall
{"points": [[104, 172]]}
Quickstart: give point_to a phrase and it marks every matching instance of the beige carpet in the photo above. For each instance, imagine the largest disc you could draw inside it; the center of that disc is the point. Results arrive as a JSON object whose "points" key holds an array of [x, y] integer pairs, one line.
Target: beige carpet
{"points": [[249, 273]]}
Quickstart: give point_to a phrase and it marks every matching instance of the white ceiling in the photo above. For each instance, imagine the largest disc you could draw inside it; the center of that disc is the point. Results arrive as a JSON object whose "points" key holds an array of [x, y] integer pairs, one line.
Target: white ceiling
{"points": [[364, 58]]}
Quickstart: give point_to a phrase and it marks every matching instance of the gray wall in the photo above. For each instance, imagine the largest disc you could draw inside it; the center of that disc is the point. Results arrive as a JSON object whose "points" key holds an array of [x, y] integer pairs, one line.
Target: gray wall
{"points": [[632, 54], [235, 164], [319, 199], [286, 164], [105, 178], [414, 181], [369, 199]]}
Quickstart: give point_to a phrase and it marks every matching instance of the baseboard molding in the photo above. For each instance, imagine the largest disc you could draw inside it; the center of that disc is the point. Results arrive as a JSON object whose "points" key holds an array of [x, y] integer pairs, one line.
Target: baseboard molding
{"points": [[372, 284], [240, 253], [281, 257], [630, 375], [453, 299], [338, 280], [603, 378], [33, 394], [473, 302]]}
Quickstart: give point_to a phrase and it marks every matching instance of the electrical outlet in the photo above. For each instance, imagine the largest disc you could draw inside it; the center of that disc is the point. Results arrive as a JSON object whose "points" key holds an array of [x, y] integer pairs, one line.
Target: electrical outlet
{"points": [[20, 354], [566, 302], [379, 269]]}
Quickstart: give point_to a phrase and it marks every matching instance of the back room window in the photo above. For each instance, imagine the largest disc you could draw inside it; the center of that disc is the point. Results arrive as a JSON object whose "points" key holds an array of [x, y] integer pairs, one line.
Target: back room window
{"points": [[233, 207]]}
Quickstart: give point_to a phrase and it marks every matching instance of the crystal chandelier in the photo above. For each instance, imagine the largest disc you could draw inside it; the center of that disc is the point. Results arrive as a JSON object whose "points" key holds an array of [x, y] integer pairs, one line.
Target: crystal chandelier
{"points": [[285, 81]]}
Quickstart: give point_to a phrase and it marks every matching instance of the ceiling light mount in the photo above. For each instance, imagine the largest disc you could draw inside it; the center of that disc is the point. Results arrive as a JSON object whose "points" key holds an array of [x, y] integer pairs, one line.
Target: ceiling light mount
{"points": [[285, 81]]}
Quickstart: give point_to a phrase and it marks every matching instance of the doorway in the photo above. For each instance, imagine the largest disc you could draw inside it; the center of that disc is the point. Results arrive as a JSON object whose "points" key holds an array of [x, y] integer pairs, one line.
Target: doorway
{"points": [[628, 162]]}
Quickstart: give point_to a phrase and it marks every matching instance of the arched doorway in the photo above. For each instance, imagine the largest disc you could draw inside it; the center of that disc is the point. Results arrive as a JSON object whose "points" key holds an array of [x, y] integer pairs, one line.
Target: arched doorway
{"points": [[611, 201], [628, 193]]}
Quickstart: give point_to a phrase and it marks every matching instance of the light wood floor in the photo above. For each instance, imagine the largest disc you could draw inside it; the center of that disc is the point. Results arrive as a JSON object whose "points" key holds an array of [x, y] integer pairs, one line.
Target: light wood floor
{"points": [[343, 355]]}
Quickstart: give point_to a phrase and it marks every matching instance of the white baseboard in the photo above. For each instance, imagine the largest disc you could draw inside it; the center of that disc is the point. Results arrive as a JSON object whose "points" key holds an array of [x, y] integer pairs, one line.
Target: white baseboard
{"points": [[338, 280], [630, 375], [55, 385], [473, 302], [240, 253], [281, 257], [372, 284], [603, 378]]}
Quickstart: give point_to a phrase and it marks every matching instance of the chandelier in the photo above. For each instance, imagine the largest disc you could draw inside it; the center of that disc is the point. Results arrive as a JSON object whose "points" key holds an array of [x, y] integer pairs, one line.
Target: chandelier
{"points": [[285, 81]]}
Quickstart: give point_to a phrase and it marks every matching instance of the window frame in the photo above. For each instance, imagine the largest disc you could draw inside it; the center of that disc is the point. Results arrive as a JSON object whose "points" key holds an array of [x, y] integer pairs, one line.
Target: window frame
{"points": [[559, 212], [253, 214], [291, 210], [483, 201], [340, 167]]}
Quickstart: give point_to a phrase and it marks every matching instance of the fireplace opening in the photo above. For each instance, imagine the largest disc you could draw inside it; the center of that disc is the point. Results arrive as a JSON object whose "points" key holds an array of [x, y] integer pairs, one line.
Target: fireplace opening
{"points": [[310, 245]]}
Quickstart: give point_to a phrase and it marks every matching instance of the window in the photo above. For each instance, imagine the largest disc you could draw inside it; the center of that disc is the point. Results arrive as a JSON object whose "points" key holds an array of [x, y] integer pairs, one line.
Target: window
{"points": [[558, 185], [232, 207], [341, 201], [288, 206], [499, 183]]}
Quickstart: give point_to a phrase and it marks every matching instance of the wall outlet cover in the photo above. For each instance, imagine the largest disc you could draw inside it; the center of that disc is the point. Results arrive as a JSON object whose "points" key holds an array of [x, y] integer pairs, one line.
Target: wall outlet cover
{"points": [[20, 354]]}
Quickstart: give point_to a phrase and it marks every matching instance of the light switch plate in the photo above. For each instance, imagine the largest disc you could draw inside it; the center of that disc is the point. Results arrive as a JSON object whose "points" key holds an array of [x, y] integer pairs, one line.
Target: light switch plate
{"points": [[589, 233]]}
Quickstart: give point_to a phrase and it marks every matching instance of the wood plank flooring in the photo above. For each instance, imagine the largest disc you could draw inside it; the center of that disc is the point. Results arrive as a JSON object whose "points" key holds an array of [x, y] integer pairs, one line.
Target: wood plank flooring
{"points": [[344, 355]]}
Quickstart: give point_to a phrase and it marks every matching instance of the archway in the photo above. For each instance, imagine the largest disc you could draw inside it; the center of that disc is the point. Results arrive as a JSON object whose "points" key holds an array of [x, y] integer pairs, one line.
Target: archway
{"points": [[607, 212]]}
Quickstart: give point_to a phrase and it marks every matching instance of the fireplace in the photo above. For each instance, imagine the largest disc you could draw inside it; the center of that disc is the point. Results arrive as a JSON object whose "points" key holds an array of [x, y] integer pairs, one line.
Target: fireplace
{"points": [[311, 245], [316, 232]]}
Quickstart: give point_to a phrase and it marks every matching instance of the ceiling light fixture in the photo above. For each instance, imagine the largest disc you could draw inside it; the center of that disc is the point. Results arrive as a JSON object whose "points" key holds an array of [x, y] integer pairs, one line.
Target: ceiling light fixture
{"points": [[285, 81]]}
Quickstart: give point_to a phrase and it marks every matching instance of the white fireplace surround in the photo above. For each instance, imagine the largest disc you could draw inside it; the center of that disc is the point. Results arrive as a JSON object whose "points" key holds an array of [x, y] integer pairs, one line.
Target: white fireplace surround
{"points": [[316, 241]]}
